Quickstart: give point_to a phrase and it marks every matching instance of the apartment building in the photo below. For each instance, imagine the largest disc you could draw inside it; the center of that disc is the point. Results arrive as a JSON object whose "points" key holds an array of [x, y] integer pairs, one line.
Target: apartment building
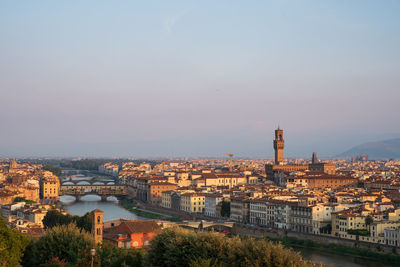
{"points": [[240, 209], [193, 202], [211, 202]]}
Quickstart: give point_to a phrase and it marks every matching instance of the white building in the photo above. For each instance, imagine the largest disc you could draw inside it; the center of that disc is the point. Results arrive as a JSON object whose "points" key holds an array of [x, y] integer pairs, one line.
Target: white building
{"points": [[392, 236], [258, 212], [281, 211], [211, 202]]}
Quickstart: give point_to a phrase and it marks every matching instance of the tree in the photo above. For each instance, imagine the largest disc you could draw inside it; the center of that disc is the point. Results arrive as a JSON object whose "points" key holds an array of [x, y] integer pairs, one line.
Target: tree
{"points": [[368, 221], [85, 258], [55, 262], [178, 247], [12, 245], [55, 217], [22, 199], [200, 262], [112, 256], [55, 170], [225, 208], [84, 222], [63, 242]]}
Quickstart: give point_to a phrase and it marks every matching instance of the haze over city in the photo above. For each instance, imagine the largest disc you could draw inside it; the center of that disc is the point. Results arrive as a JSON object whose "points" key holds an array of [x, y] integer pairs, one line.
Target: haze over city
{"points": [[184, 78]]}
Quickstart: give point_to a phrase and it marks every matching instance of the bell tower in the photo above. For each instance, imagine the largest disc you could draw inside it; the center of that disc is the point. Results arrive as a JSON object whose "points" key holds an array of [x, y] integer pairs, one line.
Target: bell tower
{"points": [[97, 226], [279, 145]]}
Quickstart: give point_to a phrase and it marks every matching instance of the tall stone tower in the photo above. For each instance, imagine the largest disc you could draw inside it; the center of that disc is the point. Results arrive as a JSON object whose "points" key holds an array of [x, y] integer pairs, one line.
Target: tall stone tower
{"points": [[97, 226], [279, 145], [314, 159]]}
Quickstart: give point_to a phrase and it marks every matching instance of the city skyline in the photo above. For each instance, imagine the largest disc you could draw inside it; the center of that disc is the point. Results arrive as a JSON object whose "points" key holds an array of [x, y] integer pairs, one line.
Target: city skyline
{"points": [[197, 79]]}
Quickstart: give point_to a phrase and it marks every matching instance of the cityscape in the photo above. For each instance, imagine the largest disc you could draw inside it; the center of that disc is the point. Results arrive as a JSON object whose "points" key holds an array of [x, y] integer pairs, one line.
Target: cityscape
{"points": [[353, 202], [199, 133]]}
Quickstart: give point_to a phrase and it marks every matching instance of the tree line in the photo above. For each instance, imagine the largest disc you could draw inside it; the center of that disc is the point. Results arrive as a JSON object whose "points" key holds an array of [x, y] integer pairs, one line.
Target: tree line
{"points": [[56, 218], [67, 244]]}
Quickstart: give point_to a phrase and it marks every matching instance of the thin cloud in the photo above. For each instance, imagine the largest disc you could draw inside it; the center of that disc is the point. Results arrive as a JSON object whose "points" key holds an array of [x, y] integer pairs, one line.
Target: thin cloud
{"points": [[170, 22]]}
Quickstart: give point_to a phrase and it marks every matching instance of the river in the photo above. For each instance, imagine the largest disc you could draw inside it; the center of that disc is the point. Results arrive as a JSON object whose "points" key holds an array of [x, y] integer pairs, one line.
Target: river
{"points": [[112, 211], [338, 260]]}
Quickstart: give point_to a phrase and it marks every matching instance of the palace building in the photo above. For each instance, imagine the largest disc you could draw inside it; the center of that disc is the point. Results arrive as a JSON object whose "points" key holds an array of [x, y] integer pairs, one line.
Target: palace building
{"points": [[278, 166]]}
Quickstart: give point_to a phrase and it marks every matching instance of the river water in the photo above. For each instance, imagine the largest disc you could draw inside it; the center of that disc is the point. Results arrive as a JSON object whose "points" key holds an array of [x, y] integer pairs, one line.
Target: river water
{"points": [[112, 211], [337, 260]]}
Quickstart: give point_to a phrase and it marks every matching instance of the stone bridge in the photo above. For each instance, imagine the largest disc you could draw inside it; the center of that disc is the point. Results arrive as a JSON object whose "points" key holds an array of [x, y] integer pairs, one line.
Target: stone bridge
{"points": [[90, 182], [204, 225], [103, 191]]}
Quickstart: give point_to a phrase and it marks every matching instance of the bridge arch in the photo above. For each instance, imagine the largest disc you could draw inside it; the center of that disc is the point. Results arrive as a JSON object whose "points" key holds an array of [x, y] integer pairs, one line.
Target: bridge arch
{"points": [[101, 190]]}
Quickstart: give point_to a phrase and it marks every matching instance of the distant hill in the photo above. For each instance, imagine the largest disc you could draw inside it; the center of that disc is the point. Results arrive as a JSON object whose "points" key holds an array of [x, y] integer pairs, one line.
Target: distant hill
{"points": [[386, 149]]}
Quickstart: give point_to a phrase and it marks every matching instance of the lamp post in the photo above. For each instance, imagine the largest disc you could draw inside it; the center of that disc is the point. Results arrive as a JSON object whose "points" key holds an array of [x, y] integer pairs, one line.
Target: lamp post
{"points": [[92, 252]]}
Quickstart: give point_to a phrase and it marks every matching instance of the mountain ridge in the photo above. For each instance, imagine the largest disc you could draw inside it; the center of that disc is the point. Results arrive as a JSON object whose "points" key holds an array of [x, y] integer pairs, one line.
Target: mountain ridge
{"points": [[385, 149]]}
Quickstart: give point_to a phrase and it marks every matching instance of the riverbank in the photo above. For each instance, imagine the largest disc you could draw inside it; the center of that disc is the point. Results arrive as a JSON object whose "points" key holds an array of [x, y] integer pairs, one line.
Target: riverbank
{"points": [[127, 204], [364, 254]]}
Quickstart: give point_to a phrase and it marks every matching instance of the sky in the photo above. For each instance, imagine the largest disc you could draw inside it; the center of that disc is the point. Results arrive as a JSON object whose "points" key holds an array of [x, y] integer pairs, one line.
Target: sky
{"points": [[197, 78]]}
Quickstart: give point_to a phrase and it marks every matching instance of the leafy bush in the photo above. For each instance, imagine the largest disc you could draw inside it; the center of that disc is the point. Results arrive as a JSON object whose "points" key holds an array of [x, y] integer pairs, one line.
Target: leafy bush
{"points": [[55, 218], [362, 232], [62, 242], [112, 256], [178, 247], [12, 245]]}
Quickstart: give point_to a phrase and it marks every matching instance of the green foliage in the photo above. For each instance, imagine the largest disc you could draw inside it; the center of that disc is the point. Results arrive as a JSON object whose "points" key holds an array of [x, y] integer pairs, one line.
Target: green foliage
{"points": [[93, 164], [84, 164], [63, 242], [326, 229], [369, 220], [54, 218], [55, 170], [112, 256], [85, 258], [362, 232], [178, 247], [55, 262], [200, 262], [225, 208], [12, 245], [22, 199]]}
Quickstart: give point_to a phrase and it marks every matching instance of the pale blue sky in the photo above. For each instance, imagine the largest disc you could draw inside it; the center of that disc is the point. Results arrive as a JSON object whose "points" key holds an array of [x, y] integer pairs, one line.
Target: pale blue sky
{"points": [[197, 78]]}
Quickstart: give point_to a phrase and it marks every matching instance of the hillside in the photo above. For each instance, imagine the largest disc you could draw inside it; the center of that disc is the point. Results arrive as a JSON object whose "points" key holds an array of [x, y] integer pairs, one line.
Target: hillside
{"points": [[386, 149]]}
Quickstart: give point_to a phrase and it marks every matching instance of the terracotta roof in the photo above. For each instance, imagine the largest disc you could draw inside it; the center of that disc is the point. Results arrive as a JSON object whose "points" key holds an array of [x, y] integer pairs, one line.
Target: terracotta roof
{"points": [[131, 227], [97, 210]]}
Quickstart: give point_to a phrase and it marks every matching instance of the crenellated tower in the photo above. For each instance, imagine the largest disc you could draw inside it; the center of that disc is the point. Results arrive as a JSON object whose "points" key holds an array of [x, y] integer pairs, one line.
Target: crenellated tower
{"points": [[279, 145]]}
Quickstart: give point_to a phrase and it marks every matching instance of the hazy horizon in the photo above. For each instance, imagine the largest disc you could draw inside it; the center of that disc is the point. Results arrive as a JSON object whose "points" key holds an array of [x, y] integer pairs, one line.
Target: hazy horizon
{"points": [[190, 79]]}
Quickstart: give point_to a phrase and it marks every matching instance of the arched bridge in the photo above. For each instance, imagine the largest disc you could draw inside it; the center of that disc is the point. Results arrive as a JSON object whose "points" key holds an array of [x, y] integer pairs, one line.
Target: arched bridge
{"points": [[102, 190], [204, 225], [87, 182]]}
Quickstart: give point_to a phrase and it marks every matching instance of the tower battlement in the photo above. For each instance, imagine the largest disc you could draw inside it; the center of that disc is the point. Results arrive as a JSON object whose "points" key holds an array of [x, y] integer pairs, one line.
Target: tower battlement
{"points": [[279, 145]]}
